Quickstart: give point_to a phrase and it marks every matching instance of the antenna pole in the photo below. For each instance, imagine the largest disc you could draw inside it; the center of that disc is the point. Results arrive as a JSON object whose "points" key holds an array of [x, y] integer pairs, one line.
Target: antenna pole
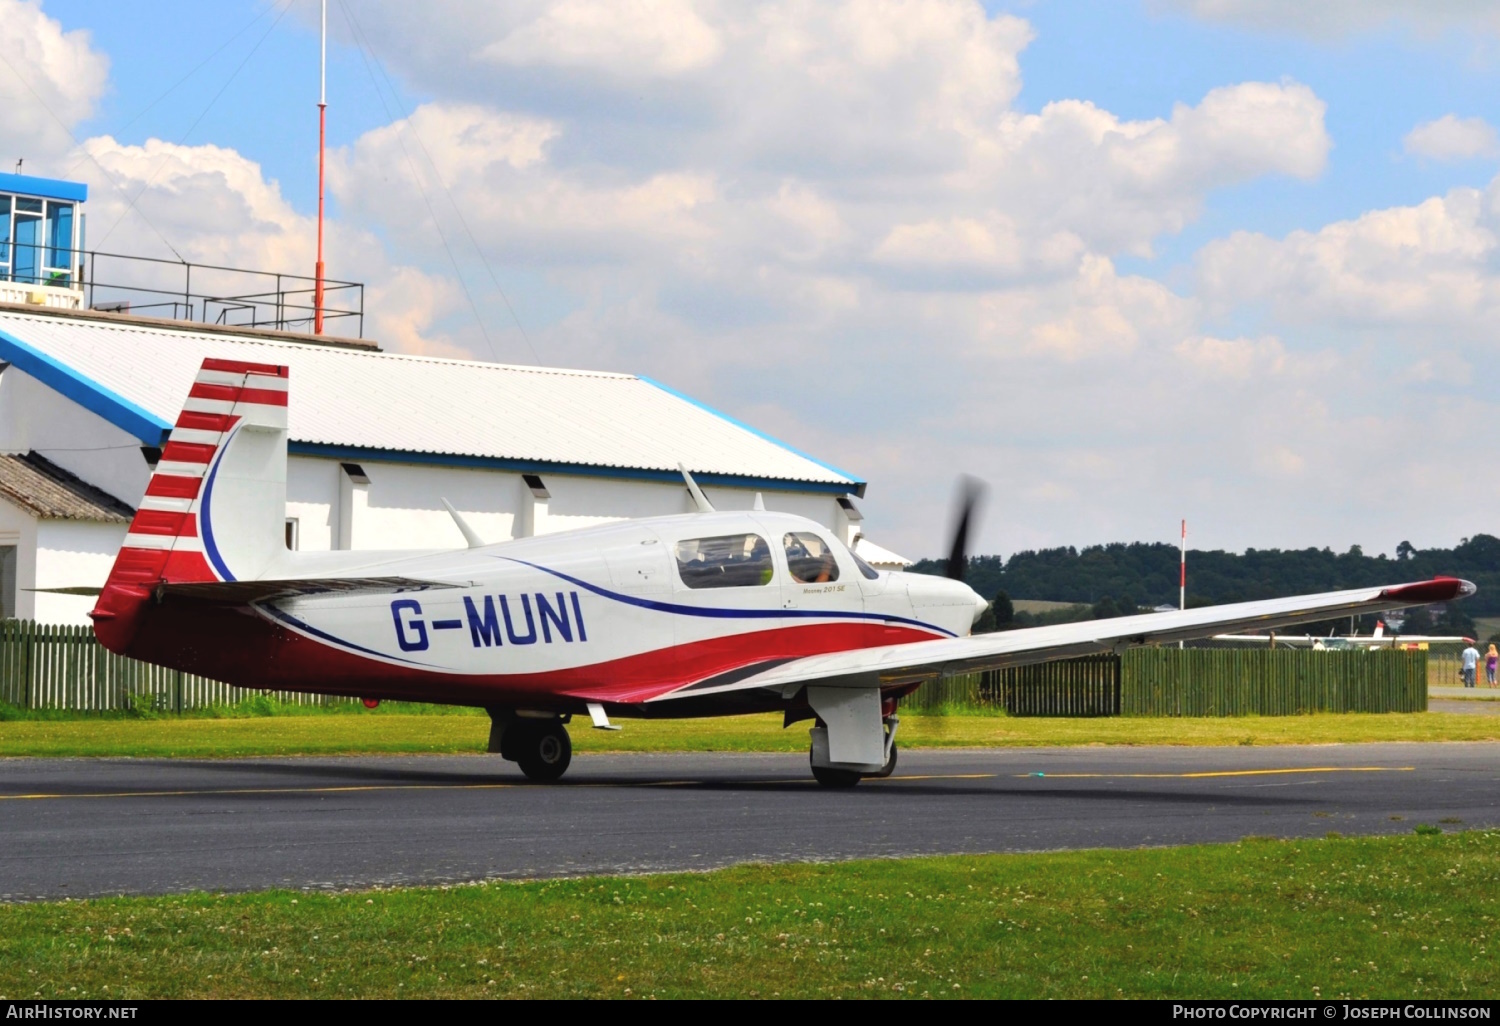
{"points": [[1182, 573], [322, 143]]}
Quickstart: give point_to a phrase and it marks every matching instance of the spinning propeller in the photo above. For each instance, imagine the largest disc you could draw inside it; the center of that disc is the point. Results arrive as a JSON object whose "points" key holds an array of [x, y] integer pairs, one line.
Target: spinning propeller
{"points": [[970, 493]]}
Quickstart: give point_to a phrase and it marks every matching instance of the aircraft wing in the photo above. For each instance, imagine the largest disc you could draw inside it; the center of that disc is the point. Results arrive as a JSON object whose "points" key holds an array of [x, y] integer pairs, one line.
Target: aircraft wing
{"points": [[1286, 640], [926, 660], [244, 592]]}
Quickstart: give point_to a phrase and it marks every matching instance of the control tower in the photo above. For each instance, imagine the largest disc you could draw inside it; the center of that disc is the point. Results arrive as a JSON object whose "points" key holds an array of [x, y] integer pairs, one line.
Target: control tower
{"points": [[41, 241]]}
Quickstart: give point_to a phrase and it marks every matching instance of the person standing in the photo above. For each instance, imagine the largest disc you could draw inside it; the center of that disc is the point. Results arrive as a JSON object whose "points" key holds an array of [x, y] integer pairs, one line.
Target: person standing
{"points": [[1491, 662], [1469, 662]]}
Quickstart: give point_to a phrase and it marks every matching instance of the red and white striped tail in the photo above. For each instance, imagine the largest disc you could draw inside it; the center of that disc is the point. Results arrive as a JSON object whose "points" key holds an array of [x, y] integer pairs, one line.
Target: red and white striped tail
{"points": [[166, 540]]}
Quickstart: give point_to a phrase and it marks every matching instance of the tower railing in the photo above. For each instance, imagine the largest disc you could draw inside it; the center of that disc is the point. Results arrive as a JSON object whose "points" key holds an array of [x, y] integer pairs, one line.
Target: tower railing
{"points": [[187, 291]]}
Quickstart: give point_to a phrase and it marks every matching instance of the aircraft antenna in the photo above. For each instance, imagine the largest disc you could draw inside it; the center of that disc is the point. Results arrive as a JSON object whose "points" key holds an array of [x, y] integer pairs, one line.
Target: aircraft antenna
{"points": [[699, 499]]}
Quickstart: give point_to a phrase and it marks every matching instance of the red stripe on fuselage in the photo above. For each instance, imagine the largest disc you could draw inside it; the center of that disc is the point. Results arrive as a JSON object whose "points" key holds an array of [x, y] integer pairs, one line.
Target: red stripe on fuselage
{"points": [[238, 646]]}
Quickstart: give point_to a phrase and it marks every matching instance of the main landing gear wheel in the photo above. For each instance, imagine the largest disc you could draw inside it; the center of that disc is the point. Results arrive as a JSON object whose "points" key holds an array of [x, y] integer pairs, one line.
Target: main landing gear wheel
{"points": [[543, 751], [830, 777]]}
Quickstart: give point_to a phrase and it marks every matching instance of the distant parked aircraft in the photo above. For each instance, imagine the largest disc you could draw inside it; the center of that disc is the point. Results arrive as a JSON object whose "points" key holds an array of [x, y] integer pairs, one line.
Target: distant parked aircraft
{"points": [[707, 613], [1379, 639]]}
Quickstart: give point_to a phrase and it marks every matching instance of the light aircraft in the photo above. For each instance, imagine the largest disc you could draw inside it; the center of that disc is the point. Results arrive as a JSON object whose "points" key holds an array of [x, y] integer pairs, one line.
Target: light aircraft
{"points": [[707, 613], [1336, 642]]}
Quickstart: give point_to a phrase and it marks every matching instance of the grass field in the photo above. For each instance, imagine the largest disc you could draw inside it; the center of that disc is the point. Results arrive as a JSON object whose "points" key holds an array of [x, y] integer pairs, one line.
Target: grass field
{"points": [[1394, 917], [355, 733]]}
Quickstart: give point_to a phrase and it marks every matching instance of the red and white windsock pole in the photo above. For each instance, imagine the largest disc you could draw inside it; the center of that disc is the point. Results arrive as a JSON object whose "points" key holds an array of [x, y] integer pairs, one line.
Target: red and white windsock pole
{"points": [[1182, 573], [322, 142]]}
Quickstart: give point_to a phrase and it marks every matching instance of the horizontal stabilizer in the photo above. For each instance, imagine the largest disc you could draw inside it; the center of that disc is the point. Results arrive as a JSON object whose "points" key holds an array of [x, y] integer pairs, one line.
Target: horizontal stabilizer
{"points": [[244, 592]]}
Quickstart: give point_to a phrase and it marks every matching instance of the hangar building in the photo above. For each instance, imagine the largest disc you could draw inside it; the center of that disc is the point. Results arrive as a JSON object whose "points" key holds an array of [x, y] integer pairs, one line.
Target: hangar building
{"points": [[89, 390], [377, 441]]}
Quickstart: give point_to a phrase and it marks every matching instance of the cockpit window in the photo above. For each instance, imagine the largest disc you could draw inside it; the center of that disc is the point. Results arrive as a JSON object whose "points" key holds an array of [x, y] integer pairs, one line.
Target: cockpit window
{"points": [[729, 561], [864, 568], [809, 558]]}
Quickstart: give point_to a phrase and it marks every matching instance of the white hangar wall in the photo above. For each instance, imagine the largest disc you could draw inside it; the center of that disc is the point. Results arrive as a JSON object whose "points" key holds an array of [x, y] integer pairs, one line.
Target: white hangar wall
{"points": [[34, 417], [401, 505], [88, 390], [71, 554], [399, 508]]}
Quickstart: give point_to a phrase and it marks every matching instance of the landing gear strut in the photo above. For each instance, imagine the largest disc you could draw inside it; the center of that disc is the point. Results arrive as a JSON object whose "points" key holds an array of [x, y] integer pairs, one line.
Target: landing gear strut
{"points": [[541, 747], [844, 776]]}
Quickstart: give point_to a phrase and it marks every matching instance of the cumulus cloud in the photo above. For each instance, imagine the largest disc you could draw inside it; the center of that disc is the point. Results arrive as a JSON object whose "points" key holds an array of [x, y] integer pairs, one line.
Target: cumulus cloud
{"points": [[832, 220], [50, 82], [1330, 19], [654, 37], [1421, 265], [1232, 358], [843, 193], [212, 205], [1452, 138]]}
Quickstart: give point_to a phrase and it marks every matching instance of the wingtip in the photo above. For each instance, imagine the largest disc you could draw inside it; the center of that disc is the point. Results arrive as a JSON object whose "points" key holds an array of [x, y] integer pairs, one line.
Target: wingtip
{"points": [[1439, 589]]}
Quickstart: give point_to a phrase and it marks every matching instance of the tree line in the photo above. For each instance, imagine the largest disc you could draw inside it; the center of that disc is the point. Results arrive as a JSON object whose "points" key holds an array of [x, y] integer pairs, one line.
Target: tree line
{"points": [[1110, 580]]}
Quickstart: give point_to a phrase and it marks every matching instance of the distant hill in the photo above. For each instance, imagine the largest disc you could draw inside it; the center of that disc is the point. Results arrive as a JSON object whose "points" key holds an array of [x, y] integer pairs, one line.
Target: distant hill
{"points": [[1146, 574]]}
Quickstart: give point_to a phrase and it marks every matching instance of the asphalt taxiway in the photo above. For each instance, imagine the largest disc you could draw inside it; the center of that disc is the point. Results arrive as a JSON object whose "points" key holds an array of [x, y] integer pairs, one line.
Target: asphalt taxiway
{"points": [[87, 827]]}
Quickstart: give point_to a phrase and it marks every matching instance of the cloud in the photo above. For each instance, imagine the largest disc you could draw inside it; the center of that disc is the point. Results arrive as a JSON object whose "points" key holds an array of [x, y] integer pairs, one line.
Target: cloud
{"points": [[628, 37], [838, 226], [215, 206], [50, 81], [1425, 266], [1452, 138], [1332, 19], [1232, 358], [832, 220]]}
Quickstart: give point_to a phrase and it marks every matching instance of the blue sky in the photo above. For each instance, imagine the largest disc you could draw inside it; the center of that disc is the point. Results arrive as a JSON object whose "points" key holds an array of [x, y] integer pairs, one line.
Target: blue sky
{"points": [[1063, 300], [1136, 61]]}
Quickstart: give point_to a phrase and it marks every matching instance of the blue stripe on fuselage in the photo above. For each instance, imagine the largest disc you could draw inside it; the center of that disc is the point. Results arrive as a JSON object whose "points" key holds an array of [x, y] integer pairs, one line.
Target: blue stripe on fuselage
{"points": [[292, 621], [728, 614]]}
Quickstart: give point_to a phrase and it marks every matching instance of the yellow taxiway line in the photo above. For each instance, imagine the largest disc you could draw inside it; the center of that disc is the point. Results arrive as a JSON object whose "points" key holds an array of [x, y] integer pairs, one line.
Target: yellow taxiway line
{"points": [[1224, 773], [358, 788]]}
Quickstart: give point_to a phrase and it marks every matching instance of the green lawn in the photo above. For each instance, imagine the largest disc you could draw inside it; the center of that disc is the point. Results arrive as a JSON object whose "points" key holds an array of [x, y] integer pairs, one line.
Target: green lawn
{"points": [[1396, 917], [401, 733]]}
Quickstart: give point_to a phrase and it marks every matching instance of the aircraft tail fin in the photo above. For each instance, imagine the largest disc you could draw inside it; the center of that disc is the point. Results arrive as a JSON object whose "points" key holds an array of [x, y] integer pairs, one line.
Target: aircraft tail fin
{"points": [[215, 508]]}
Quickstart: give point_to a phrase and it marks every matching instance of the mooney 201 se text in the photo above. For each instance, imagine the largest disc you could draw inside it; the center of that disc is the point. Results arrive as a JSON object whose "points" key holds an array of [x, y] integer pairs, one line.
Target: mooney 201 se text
{"points": [[707, 613]]}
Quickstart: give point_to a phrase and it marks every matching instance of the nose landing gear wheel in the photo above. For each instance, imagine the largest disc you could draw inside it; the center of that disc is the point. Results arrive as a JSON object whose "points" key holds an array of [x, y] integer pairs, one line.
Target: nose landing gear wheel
{"points": [[543, 752], [830, 777]]}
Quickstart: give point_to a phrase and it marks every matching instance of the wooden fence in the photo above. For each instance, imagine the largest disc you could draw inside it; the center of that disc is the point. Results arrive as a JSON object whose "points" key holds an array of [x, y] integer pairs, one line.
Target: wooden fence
{"points": [[1281, 682], [1194, 682], [61, 667], [54, 666]]}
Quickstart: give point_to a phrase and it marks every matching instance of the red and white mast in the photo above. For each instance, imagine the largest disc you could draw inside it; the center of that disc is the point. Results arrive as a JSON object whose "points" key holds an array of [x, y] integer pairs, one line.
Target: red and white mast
{"points": [[322, 141], [1182, 573]]}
